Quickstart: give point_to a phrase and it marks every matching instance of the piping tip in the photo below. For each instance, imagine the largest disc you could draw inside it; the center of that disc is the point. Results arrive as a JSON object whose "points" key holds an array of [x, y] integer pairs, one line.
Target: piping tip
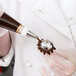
{"points": [[31, 34]]}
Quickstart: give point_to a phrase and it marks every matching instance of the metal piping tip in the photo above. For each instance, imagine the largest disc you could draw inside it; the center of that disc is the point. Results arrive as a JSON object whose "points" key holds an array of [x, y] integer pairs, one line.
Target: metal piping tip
{"points": [[31, 34]]}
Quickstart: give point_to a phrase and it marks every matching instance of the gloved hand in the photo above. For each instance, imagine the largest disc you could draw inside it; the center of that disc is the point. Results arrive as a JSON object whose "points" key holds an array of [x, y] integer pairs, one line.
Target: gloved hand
{"points": [[60, 63]]}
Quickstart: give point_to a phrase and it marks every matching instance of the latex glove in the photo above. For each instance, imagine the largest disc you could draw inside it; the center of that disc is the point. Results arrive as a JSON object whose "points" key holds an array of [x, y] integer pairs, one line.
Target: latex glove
{"points": [[61, 63]]}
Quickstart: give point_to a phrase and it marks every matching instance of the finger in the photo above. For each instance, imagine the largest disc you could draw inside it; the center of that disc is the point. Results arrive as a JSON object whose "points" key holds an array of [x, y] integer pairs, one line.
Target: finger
{"points": [[57, 71], [43, 72], [68, 54], [61, 63], [71, 55]]}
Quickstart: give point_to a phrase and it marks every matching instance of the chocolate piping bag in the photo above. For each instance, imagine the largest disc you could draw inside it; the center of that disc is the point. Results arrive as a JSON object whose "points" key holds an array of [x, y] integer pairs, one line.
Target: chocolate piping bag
{"points": [[7, 22]]}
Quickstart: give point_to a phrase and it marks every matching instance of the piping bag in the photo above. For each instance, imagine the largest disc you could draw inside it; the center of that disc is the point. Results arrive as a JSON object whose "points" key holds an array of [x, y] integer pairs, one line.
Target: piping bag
{"points": [[7, 22]]}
